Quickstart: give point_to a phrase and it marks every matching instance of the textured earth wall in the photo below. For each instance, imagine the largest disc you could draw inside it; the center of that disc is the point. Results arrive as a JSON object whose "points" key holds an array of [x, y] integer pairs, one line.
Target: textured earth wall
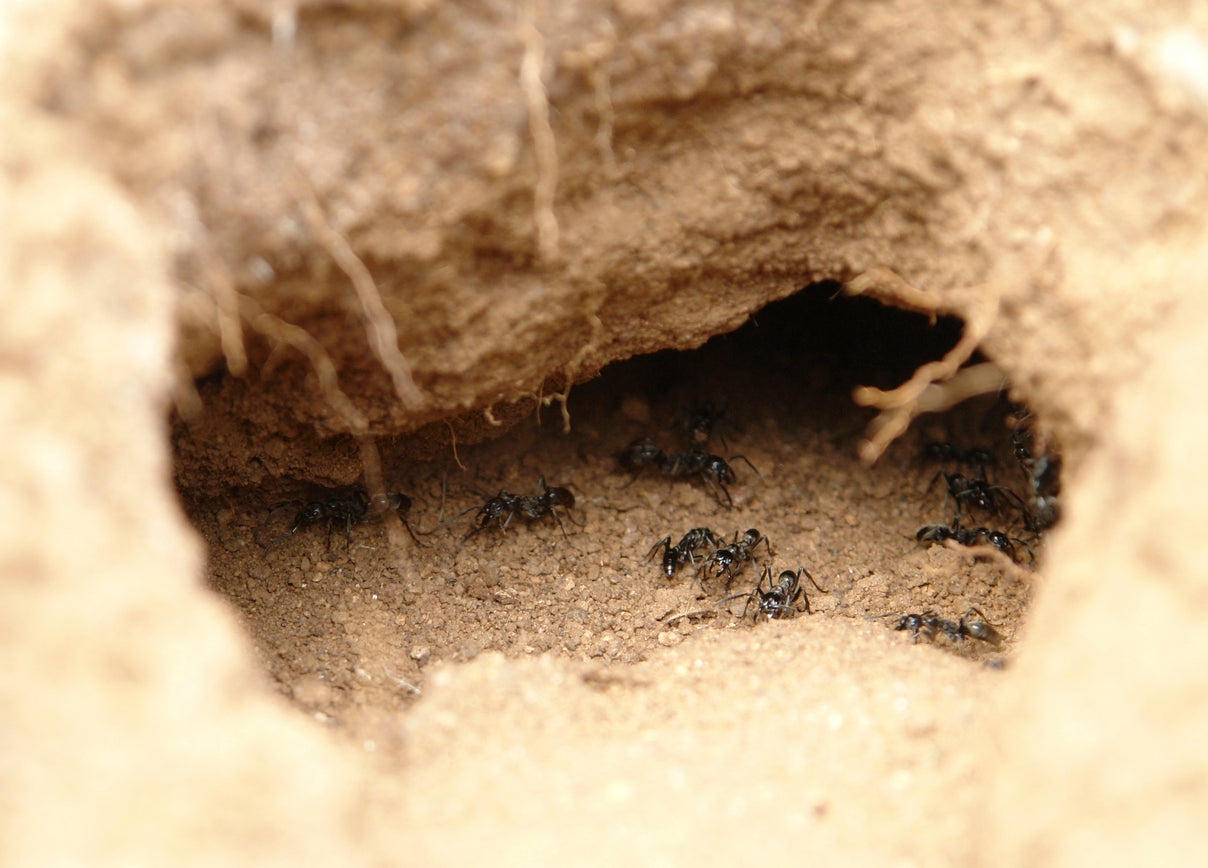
{"points": [[242, 243]]}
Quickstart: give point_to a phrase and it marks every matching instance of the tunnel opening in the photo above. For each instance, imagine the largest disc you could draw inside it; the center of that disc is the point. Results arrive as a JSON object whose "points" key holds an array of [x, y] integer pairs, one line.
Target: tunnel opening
{"points": [[348, 612]]}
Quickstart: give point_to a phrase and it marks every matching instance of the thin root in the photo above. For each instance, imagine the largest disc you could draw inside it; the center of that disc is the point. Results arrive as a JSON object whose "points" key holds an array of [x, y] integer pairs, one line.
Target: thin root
{"points": [[999, 558], [233, 309], [453, 441], [695, 613], [561, 397], [935, 385], [544, 145], [383, 333], [230, 330], [276, 329], [892, 422]]}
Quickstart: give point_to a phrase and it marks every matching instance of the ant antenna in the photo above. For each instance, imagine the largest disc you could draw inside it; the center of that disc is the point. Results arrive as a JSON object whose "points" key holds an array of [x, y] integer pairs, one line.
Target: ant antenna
{"points": [[748, 463]]}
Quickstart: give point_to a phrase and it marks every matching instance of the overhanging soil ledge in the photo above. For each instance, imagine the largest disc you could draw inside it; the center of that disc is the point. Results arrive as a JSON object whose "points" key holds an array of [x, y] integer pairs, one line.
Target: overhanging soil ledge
{"points": [[402, 224]]}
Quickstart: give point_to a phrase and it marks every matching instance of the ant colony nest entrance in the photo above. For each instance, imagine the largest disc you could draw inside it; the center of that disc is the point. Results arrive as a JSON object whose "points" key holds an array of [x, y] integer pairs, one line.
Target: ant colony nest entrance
{"points": [[713, 489]]}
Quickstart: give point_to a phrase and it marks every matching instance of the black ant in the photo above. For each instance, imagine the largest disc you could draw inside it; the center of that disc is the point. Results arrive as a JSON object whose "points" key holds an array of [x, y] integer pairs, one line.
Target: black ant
{"points": [[505, 506], [1041, 514], [344, 507], [779, 601], [970, 493], [640, 454], [675, 556], [972, 536], [701, 421], [696, 462], [713, 469], [1044, 477], [730, 558], [929, 623]]}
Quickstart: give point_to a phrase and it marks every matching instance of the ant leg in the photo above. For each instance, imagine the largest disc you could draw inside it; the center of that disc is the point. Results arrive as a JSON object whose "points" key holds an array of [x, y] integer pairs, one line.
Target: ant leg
{"points": [[276, 542], [725, 600], [665, 542], [806, 572], [473, 531], [411, 533], [714, 484], [559, 522], [728, 573], [931, 484], [447, 521], [801, 594], [748, 463], [979, 612], [700, 579], [750, 599], [1015, 499]]}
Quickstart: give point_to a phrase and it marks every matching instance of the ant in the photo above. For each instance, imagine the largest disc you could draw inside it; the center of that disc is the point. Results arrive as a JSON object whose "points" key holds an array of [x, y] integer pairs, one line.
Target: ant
{"points": [[696, 462], [1043, 473], [713, 469], [780, 599], [977, 494], [344, 507], [674, 556], [701, 421], [640, 454], [731, 557], [505, 506], [1041, 515], [937, 533], [929, 623]]}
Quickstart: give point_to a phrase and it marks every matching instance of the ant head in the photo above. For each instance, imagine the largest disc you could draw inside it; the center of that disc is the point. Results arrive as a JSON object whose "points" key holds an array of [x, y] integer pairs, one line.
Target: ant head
{"points": [[720, 469], [560, 497], [639, 454], [311, 512]]}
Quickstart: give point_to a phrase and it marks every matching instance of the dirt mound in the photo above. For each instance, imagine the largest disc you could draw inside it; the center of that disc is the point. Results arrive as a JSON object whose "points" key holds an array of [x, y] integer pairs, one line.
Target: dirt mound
{"points": [[261, 257]]}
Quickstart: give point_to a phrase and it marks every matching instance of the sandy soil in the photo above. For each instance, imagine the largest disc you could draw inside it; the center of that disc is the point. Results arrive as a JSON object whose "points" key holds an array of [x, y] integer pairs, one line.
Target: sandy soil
{"points": [[352, 628], [254, 252]]}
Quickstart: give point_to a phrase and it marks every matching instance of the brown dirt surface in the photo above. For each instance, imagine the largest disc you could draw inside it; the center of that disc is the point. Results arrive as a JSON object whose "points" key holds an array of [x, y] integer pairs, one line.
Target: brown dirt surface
{"points": [[353, 628], [255, 255]]}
